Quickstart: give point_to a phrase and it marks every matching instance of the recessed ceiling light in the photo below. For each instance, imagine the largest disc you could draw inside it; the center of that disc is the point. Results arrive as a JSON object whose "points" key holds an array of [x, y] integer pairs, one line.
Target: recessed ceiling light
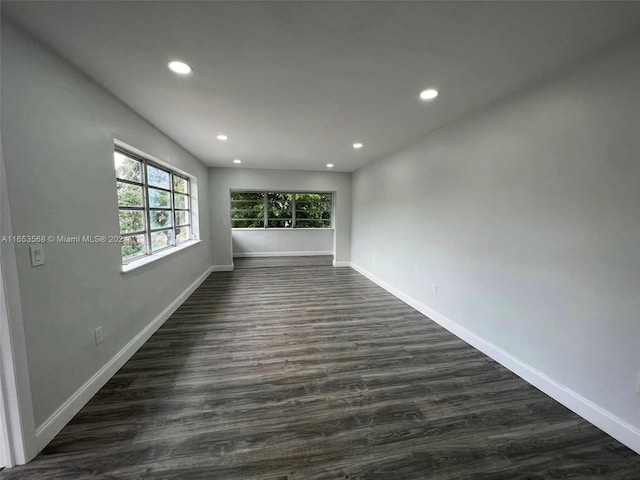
{"points": [[222, 137], [358, 145], [429, 94], [329, 165], [237, 160], [179, 67]]}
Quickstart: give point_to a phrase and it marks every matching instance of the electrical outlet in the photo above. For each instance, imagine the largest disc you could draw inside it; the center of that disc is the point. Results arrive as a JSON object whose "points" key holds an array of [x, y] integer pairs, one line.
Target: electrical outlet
{"points": [[434, 288], [99, 335]]}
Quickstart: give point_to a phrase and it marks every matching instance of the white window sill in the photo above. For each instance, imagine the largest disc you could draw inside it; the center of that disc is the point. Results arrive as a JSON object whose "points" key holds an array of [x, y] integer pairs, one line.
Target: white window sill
{"points": [[275, 228], [146, 260]]}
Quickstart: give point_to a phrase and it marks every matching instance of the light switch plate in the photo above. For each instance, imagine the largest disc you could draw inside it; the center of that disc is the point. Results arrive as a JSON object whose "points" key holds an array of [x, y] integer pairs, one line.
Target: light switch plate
{"points": [[37, 255]]}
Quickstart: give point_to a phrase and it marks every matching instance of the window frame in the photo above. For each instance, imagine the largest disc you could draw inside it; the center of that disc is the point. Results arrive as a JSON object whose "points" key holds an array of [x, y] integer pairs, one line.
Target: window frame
{"points": [[265, 212], [146, 207]]}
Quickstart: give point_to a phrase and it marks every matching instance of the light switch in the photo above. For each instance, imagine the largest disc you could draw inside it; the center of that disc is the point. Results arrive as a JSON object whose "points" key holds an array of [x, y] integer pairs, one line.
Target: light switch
{"points": [[37, 255]]}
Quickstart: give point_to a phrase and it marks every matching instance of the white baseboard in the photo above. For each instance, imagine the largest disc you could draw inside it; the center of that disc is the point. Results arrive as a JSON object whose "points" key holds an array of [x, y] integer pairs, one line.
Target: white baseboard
{"points": [[341, 264], [283, 254], [598, 416], [222, 268], [58, 419]]}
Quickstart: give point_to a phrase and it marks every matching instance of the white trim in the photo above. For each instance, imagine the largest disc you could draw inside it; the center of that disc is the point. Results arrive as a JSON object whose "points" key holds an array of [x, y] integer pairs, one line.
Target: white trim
{"points": [[598, 416], [341, 264], [6, 449], [58, 419], [18, 423], [277, 229], [282, 254], [222, 268], [147, 259]]}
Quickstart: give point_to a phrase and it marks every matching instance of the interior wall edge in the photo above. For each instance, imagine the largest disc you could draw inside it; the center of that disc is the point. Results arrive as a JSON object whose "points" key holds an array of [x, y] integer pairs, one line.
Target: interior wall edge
{"points": [[223, 268], [16, 384], [342, 264]]}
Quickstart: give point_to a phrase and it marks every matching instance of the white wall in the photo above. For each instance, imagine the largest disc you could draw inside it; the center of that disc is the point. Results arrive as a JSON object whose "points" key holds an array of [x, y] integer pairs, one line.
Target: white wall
{"points": [[527, 216], [223, 180], [57, 130], [250, 242]]}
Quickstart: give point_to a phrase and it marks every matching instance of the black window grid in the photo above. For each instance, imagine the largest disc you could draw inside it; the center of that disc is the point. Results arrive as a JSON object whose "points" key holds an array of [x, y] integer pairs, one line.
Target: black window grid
{"points": [[147, 208], [265, 218]]}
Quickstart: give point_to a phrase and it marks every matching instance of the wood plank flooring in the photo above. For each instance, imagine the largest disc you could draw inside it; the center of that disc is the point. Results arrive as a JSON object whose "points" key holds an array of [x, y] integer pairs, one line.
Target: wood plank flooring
{"points": [[287, 373]]}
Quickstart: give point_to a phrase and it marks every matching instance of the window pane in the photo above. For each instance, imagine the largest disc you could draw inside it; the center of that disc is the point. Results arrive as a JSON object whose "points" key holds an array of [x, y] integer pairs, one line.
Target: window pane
{"points": [[247, 224], [129, 195], [279, 223], [180, 184], [131, 221], [247, 205], [279, 210], [158, 178], [133, 246], [279, 201], [313, 223], [314, 197], [159, 198], [183, 234], [180, 201], [313, 213], [279, 205], [127, 168], [182, 217], [313, 210], [247, 209], [248, 196], [146, 204], [161, 239], [160, 218], [256, 213]]}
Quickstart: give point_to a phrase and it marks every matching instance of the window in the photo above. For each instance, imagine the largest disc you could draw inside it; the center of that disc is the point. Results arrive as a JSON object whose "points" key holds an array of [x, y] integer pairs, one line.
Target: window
{"points": [[280, 210], [313, 210], [154, 206], [247, 209]]}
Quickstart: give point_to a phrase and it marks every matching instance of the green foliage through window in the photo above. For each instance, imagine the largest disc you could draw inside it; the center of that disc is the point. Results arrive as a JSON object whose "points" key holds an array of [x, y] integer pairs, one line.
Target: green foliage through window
{"points": [[281, 210], [154, 206]]}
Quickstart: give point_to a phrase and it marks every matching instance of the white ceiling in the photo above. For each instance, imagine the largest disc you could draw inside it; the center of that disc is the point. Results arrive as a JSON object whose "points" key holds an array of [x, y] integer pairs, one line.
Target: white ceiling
{"points": [[295, 84]]}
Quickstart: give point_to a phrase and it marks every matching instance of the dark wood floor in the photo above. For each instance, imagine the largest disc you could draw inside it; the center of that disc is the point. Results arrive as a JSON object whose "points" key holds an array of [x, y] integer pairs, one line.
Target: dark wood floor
{"points": [[312, 373]]}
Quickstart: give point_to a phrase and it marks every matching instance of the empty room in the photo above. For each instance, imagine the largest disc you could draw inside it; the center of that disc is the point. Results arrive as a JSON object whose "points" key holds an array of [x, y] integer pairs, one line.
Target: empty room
{"points": [[309, 240]]}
